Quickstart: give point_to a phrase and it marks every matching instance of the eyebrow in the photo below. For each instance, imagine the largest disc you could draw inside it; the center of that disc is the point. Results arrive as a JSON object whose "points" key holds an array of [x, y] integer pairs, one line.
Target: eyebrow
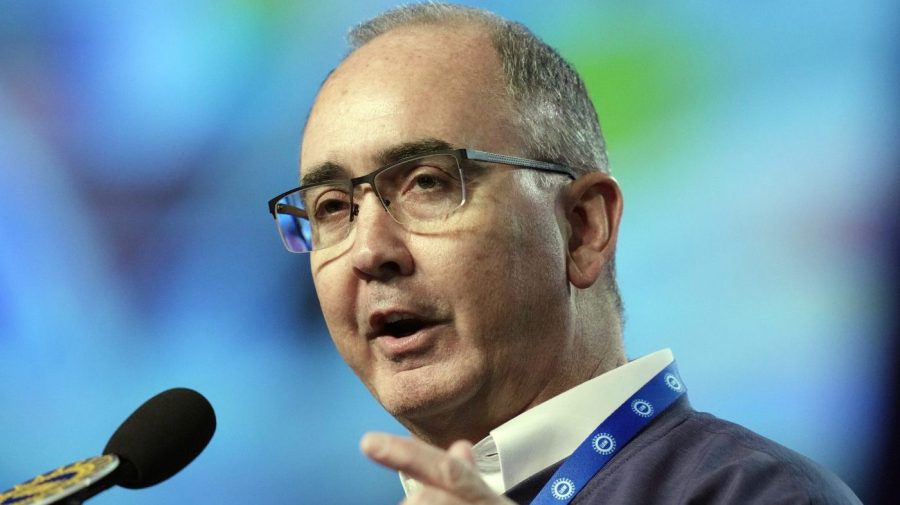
{"points": [[323, 172], [330, 171], [400, 152]]}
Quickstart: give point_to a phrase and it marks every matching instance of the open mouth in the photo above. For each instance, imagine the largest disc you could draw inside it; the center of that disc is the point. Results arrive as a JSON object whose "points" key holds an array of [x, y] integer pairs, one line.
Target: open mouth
{"points": [[401, 335], [404, 327], [398, 324]]}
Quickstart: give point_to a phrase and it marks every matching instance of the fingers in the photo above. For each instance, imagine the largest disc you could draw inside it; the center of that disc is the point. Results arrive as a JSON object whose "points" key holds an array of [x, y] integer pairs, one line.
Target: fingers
{"points": [[451, 472], [462, 449]]}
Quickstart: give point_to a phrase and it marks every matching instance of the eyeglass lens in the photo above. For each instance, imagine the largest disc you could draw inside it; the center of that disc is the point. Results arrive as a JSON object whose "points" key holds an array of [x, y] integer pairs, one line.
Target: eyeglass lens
{"points": [[419, 193]]}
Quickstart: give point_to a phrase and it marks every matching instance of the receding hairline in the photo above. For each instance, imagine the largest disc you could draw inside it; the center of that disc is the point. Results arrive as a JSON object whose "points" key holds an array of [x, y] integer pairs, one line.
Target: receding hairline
{"points": [[438, 15], [473, 31], [465, 37], [553, 105]]}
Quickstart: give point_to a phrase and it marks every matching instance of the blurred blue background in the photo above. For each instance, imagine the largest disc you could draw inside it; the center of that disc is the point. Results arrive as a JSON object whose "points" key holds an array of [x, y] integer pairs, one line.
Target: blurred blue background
{"points": [[139, 142]]}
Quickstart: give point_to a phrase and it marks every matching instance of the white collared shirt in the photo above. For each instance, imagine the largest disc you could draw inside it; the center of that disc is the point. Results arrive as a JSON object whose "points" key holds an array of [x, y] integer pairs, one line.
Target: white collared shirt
{"points": [[551, 431]]}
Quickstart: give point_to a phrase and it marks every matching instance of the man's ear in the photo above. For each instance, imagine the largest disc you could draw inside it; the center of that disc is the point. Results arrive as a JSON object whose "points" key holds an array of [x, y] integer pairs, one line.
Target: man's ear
{"points": [[593, 211]]}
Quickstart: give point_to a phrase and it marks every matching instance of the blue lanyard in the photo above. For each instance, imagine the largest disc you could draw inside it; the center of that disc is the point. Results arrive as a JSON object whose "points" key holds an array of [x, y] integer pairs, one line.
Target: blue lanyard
{"points": [[611, 436]]}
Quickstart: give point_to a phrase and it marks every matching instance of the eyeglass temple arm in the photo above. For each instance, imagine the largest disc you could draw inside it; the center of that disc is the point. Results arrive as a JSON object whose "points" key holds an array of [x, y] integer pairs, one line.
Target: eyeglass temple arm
{"points": [[544, 166], [290, 210]]}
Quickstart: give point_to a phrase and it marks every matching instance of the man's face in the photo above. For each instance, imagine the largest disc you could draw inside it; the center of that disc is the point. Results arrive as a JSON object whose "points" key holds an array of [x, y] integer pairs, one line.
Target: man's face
{"points": [[470, 321]]}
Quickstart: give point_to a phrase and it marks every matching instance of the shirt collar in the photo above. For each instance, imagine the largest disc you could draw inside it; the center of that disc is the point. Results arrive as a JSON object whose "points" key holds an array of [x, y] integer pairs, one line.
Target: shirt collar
{"points": [[551, 431]]}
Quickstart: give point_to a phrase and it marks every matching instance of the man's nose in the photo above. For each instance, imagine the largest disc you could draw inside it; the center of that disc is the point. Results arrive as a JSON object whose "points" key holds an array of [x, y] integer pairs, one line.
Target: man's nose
{"points": [[379, 250]]}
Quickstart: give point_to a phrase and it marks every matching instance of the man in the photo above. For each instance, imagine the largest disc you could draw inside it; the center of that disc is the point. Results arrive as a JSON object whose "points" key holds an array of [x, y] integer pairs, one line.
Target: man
{"points": [[462, 223]]}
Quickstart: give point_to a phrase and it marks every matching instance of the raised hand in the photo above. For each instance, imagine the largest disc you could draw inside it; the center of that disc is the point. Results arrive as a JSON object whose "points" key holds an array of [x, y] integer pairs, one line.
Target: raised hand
{"points": [[447, 477]]}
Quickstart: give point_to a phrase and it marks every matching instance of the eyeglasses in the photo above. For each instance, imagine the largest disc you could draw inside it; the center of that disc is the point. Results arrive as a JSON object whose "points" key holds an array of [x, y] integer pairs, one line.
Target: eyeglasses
{"points": [[420, 193]]}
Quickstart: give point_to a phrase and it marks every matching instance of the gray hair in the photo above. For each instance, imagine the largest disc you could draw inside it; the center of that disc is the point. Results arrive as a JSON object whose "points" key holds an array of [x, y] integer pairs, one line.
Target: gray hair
{"points": [[553, 105]]}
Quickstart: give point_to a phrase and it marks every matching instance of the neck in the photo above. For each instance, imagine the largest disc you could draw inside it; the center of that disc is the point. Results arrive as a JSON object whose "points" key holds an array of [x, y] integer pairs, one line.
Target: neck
{"points": [[474, 418]]}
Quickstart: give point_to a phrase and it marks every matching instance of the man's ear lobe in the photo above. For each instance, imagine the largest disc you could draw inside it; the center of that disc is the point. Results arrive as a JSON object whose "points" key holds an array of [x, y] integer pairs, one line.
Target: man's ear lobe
{"points": [[593, 210]]}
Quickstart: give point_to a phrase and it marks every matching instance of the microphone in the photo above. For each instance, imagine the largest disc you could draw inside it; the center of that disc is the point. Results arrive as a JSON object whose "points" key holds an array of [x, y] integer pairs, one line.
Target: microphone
{"points": [[159, 439]]}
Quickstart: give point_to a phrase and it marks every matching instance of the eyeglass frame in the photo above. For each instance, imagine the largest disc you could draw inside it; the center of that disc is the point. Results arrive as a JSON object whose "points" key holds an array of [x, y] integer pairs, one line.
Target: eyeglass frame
{"points": [[459, 154]]}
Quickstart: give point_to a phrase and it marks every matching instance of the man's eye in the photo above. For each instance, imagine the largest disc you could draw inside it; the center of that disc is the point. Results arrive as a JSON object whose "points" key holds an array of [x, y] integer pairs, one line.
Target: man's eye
{"points": [[426, 181], [426, 178], [331, 207]]}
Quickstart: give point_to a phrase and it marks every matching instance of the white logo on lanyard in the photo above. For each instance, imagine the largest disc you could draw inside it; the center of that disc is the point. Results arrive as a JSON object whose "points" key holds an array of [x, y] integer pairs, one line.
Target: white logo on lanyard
{"points": [[578, 469], [604, 443], [673, 383], [562, 489], [642, 408]]}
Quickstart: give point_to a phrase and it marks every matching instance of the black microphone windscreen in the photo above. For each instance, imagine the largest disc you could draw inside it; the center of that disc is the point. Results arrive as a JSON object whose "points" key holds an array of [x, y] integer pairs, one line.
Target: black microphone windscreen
{"points": [[161, 437]]}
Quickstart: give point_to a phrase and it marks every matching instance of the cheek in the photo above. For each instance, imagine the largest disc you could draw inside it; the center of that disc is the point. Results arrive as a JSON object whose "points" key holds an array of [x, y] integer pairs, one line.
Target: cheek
{"points": [[338, 309], [334, 283], [526, 243], [503, 271], [327, 292]]}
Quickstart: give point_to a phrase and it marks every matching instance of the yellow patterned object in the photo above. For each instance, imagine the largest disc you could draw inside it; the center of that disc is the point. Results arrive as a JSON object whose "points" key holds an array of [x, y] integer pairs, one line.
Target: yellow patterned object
{"points": [[62, 482]]}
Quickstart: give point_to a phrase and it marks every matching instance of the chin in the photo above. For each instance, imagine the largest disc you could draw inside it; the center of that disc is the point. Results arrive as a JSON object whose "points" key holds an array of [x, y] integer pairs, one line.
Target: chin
{"points": [[424, 392]]}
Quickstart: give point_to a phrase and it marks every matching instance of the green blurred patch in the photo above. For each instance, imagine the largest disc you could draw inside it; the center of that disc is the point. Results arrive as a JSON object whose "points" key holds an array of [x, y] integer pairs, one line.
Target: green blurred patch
{"points": [[641, 81], [287, 16]]}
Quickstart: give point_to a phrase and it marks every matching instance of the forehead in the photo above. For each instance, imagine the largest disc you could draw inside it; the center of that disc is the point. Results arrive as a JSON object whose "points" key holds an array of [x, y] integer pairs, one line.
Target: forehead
{"points": [[413, 83]]}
